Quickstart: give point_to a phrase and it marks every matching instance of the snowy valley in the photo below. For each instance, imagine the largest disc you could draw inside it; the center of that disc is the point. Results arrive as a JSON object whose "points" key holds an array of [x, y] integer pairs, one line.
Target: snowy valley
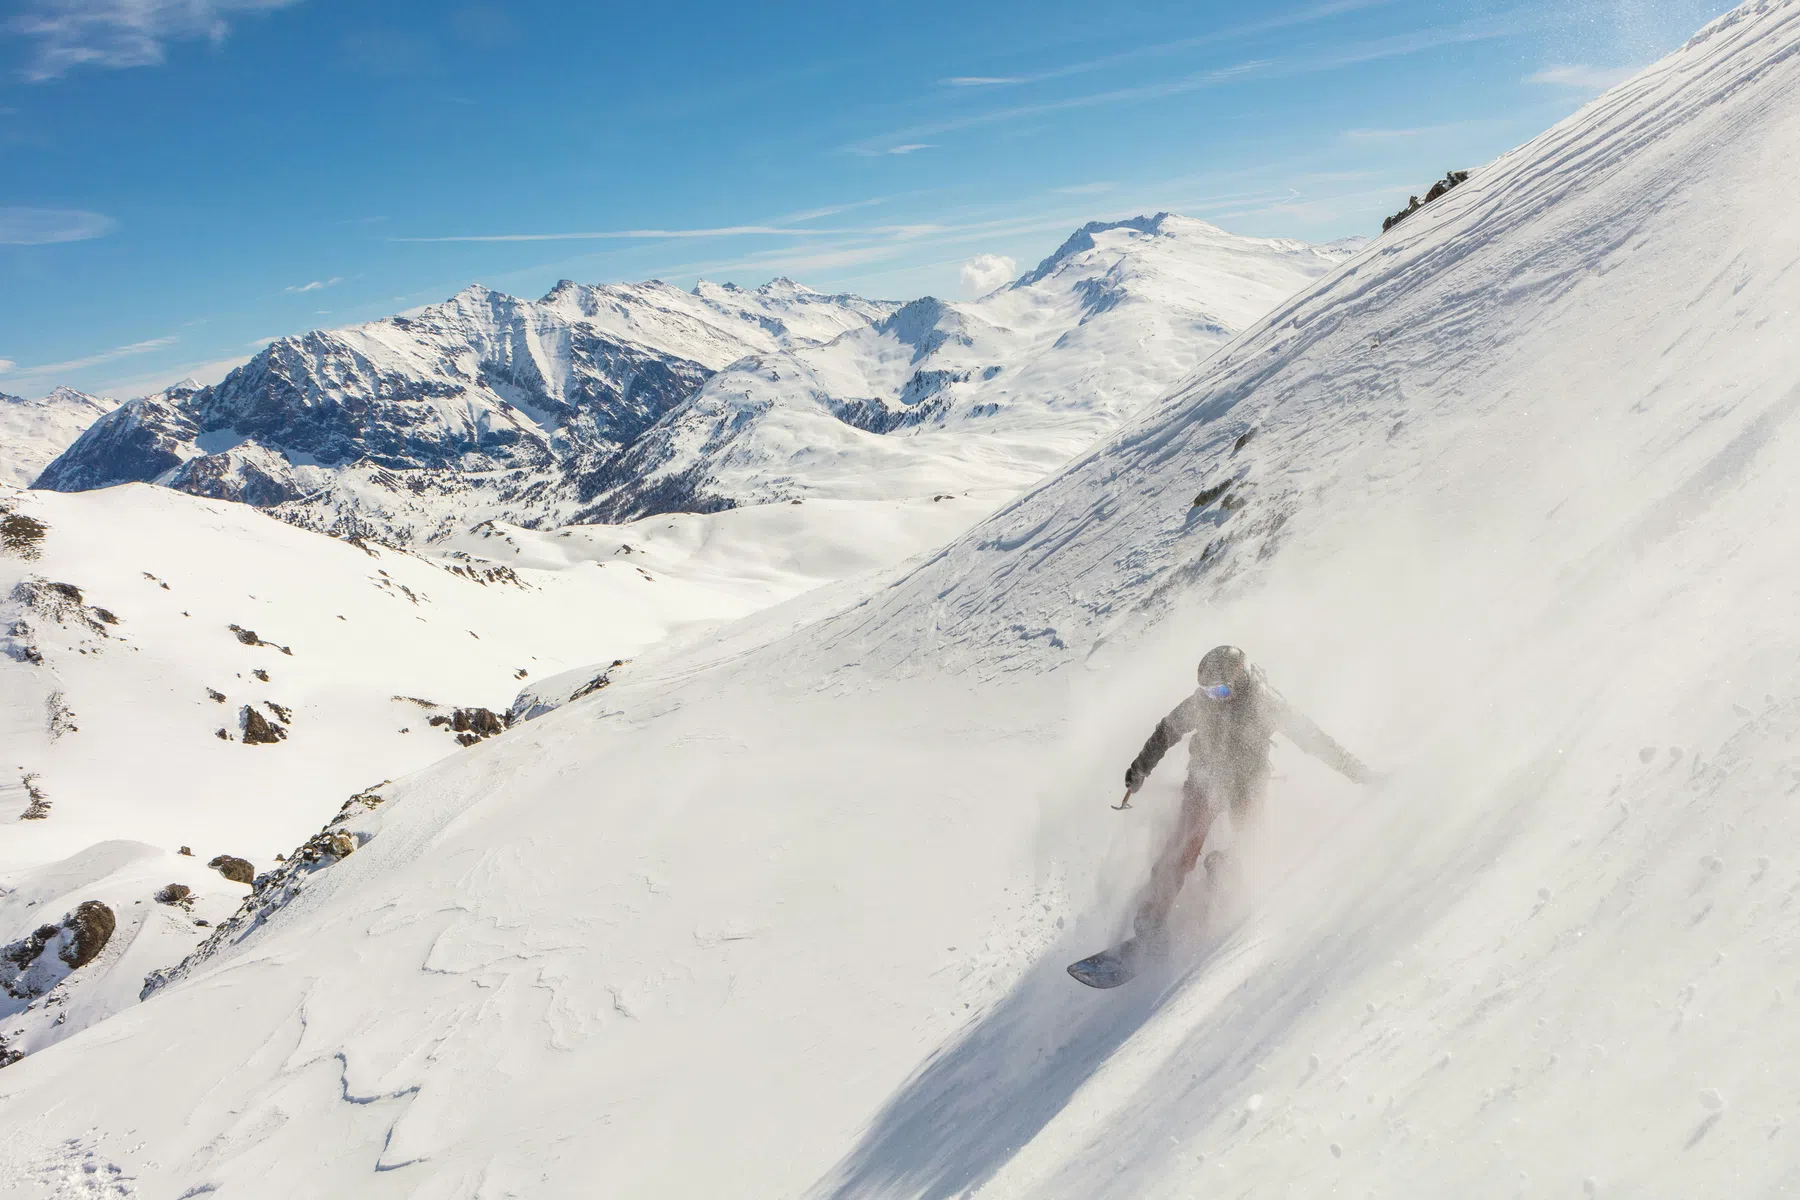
{"points": [[769, 886]]}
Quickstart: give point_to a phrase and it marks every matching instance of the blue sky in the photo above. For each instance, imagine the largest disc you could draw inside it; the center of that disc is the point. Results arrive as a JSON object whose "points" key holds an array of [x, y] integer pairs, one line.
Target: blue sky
{"points": [[183, 179]]}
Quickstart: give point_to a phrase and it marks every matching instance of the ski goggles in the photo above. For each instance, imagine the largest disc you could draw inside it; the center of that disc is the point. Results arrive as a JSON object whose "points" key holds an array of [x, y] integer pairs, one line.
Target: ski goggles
{"points": [[1218, 691]]}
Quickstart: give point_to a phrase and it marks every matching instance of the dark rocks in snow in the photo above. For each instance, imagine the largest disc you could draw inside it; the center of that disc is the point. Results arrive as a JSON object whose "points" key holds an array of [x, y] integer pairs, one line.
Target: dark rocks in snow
{"points": [[1208, 495], [282, 712], [222, 734], [271, 891], [479, 721], [470, 724], [217, 697], [90, 926], [59, 718], [26, 971], [248, 637], [37, 804], [186, 852], [256, 728], [62, 603], [1450, 180], [238, 870], [174, 893], [261, 674], [20, 534]]}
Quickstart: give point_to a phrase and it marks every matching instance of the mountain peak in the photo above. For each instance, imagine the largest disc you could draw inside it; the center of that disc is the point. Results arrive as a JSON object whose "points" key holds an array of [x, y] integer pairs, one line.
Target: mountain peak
{"points": [[1083, 239]]}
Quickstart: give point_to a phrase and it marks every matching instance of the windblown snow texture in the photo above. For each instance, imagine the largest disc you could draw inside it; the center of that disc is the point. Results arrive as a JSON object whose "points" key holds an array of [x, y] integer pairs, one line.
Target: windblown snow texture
{"points": [[1506, 502]]}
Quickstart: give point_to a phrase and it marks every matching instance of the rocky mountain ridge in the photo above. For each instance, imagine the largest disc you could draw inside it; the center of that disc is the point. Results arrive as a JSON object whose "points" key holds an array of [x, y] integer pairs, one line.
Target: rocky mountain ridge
{"points": [[612, 402]]}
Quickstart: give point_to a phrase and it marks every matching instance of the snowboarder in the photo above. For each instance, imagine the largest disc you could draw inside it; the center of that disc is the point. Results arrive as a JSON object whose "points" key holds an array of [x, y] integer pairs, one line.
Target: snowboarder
{"points": [[1232, 716]]}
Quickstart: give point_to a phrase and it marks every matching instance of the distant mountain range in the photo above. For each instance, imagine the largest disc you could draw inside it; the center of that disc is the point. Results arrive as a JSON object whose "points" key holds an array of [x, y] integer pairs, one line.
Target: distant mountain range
{"points": [[612, 402], [33, 432]]}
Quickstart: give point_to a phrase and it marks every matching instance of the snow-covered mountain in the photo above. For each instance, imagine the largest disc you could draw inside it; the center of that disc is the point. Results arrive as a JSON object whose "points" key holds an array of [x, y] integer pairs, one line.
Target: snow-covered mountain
{"points": [[589, 404], [991, 393], [1507, 503], [419, 425], [33, 432]]}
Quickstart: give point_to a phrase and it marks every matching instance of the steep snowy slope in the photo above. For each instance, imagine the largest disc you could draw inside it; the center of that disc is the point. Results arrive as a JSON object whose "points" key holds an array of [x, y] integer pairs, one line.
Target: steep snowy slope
{"points": [[140, 629], [471, 409], [785, 911], [33, 432], [992, 393]]}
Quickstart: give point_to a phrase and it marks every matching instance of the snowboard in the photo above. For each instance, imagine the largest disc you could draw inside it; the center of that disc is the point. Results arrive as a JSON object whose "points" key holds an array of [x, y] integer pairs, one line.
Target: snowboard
{"points": [[1110, 968]]}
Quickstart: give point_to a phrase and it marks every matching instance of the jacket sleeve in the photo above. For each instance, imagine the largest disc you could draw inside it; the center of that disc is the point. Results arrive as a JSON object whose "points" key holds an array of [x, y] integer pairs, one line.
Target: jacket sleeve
{"points": [[1171, 729], [1300, 730]]}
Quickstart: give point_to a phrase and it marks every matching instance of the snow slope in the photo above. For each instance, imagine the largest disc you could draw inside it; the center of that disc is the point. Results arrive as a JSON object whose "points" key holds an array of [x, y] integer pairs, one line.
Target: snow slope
{"points": [[993, 393], [784, 910], [121, 663], [33, 432]]}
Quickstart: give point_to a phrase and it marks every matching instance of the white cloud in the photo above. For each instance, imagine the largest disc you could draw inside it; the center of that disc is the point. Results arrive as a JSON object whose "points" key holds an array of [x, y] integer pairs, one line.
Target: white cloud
{"points": [[984, 80], [120, 33], [6, 364], [1337, 57], [44, 226], [1086, 189], [144, 385], [722, 231], [909, 147], [95, 359], [1585, 76], [985, 272], [315, 285]]}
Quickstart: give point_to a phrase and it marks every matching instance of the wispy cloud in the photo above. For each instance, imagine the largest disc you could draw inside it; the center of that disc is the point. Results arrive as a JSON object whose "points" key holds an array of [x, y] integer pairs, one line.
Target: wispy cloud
{"points": [[46, 226], [130, 386], [120, 33], [830, 210], [93, 360], [1400, 135], [626, 234], [1086, 189], [867, 151], [6, 364], [1161, 49], [1280, 68], [1584, 76], [1187, 83], [315, 285]]}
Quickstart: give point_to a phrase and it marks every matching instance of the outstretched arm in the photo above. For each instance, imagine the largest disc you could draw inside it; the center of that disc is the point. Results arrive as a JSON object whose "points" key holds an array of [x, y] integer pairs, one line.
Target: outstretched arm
{"points": [[1171, 729], [1315, 741]]}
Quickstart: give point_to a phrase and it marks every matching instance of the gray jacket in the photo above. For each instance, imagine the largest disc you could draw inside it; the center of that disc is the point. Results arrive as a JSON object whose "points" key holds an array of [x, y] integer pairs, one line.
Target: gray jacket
{"points": [[1228, 758]]}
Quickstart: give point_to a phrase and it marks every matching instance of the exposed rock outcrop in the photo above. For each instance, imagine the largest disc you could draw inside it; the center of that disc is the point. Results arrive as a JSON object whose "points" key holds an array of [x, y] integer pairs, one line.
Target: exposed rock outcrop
{"points": [[1450, 180], [238, 870], [39, 961], [272, 890], [256, 729]]}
